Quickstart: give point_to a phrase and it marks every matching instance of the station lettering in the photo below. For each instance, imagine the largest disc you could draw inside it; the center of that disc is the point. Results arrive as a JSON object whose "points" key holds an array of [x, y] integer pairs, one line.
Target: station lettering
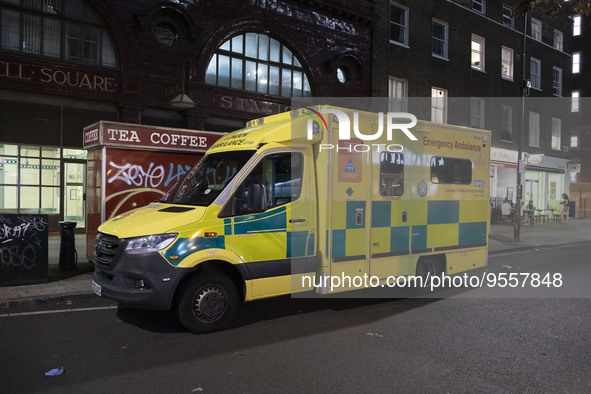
{"points": [[254, 106], [57, 76]]}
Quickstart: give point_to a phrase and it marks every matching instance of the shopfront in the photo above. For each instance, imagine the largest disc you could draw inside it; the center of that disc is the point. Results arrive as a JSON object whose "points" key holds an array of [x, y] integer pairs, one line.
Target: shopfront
{"points": [[503, 174], [545, 181]]}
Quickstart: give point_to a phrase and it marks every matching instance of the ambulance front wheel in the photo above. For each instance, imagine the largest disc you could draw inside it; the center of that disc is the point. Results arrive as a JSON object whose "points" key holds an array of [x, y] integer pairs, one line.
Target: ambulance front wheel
{"points": [[207, 302]]}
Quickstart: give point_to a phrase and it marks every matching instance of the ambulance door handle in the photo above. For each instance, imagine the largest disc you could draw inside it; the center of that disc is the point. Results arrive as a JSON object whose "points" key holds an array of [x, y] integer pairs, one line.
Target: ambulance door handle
{"points": [[297, 220], [359, 218], [404, 216]]}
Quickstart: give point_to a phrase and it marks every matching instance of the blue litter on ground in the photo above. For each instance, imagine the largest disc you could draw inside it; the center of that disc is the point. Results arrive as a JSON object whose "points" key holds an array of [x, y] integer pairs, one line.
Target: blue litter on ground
{"points": [[55, 372]]}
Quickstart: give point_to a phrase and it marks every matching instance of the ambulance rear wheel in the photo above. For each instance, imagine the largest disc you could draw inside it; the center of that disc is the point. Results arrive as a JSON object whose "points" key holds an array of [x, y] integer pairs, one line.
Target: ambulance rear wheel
{"points": [[207, 303], [427, 268]]}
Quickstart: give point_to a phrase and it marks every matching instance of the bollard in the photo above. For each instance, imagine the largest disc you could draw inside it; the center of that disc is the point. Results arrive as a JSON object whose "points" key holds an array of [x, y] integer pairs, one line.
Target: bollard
{"points": [[68, 255]]}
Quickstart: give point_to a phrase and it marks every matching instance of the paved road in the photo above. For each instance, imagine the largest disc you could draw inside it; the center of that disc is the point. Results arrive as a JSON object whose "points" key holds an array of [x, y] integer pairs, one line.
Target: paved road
{"points": [[466, 343]]}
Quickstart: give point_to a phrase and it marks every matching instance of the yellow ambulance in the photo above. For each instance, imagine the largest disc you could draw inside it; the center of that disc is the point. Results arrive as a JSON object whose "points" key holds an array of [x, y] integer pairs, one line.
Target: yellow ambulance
{"points": [[295, 199]]}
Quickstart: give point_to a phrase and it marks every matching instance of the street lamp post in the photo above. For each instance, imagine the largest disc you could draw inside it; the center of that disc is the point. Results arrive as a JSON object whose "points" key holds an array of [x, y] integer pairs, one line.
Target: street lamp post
{"points": [[525, 86]]}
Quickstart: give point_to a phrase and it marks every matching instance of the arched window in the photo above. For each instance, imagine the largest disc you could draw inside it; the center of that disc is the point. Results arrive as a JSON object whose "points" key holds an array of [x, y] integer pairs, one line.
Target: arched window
{"points": [[258, 63], [63, 29]]}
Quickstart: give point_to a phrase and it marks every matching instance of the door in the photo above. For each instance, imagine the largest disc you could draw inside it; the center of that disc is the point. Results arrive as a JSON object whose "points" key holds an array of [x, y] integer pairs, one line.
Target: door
{"points": [[350, 207], [271, 222], [74, 197], [390, 214]]}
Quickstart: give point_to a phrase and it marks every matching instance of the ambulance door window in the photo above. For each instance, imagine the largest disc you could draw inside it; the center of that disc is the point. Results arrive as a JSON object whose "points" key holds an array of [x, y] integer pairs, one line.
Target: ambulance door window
{"points": [[391, 174], [280, 177]]}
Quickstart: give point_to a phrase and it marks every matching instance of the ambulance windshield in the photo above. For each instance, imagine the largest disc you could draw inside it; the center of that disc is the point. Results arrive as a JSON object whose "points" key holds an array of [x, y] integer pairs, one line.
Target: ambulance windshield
{"points": [[207, 179]]}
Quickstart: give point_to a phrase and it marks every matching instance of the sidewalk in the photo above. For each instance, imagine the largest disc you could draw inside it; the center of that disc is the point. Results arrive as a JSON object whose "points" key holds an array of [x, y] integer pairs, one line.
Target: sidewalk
{"points": [[76, 283]]}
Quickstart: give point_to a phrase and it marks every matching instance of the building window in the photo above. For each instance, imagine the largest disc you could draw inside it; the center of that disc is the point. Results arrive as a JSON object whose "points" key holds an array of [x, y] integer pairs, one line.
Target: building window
{"points": [[477, 113], [438, 105], [278, 175], [440, 34], [535, 67], [397, 95], [165, 34], [507, 15], [506, 123], [574, 141], [477, 52], [451, 170], [534, 129], [558, 40], [391, 174], [507, 63], [258, 63], [557, 81], [30, 179], [536, 29], [479, 6], [63, 29], [576, 62], [577, 25], [556, 133], [398, 24], [574, 103]]}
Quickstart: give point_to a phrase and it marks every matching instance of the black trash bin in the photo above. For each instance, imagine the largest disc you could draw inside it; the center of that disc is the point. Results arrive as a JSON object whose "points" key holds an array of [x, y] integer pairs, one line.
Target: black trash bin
{"points": [[68, 255]]}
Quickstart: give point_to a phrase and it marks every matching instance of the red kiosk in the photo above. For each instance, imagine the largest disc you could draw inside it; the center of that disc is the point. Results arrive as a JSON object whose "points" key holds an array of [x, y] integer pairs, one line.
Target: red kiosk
{"points": [[131, 165]]}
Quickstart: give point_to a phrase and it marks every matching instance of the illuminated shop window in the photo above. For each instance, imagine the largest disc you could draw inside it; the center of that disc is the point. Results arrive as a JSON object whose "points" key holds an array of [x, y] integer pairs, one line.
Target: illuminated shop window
{"points": [[30, 179], [258, 63], [64, 29]]}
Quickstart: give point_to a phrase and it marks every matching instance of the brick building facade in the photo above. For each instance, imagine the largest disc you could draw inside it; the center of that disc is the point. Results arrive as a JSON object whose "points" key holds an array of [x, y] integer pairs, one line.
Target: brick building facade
{"points": [[464, 58], [65, 64], [581, 111]]}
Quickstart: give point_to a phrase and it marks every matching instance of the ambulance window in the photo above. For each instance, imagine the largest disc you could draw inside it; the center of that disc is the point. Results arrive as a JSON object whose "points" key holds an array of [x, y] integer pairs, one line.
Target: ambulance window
{"points": [[451, 170], [391, 174], [281, 177]]}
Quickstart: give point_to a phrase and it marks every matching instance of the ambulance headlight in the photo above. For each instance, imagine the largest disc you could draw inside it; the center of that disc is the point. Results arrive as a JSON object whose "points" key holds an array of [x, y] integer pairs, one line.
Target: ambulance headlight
{"points": [[150, 243]]}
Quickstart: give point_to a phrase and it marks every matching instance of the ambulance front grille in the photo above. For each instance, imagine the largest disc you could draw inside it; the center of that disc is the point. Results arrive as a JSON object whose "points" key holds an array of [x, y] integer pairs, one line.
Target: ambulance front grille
{"points": [[105, 250]]}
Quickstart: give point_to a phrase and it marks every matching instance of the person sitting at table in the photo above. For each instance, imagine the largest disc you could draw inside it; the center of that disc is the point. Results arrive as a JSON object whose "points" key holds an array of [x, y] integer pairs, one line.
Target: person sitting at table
{"points": [[529, 212], [506, 211]]}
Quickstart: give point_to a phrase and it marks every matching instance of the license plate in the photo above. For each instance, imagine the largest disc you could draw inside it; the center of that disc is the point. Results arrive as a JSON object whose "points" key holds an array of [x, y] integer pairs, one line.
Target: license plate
{"points": [[96, 288]]}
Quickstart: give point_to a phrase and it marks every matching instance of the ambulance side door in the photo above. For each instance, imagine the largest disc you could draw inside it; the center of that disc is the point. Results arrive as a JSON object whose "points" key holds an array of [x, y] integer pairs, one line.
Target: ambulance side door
{"points": [[390, 213]]}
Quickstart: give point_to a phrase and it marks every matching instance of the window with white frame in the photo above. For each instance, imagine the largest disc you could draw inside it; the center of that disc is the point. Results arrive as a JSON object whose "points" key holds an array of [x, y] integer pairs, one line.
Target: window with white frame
{"points": [[557, 81], [438, 105], [534, 129], [477, 52], [556, 133], [576, 62], [398, 24], [577, 25], [558, 40], [69, 30], [506, 123], [507, 63], [397, 95], [507, 15], [477, 113], [574, 101], [535, 71], [536, 29], [574, 141], [479, 6], [439, 41]]}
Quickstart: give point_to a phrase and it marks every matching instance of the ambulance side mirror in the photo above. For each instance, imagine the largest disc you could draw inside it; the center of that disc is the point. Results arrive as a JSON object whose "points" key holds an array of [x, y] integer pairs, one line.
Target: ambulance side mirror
{"points": [[257, 198]]}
